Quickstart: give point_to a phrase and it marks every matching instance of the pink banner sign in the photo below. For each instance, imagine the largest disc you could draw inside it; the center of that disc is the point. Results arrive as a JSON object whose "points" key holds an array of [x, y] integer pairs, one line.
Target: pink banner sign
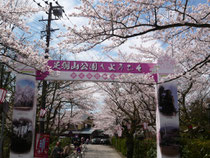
{"points": [[93, 71]]}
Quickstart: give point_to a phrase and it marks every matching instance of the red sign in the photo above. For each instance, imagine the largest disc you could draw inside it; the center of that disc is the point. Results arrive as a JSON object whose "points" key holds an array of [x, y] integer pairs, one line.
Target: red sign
{"points": [[41, 145]]}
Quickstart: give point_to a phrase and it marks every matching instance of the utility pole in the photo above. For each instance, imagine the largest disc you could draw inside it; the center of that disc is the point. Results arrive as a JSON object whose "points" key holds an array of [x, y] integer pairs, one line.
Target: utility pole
{"points": [[57, 12], [2, 133], [3, 107], [4, 110]]}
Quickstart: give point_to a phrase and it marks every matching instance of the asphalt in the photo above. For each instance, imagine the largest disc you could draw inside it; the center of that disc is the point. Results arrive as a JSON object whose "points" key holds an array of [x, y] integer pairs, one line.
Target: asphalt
{"points": [[101, 151]]}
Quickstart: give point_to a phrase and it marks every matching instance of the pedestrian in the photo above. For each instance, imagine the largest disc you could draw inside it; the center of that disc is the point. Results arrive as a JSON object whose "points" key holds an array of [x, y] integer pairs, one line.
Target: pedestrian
{"points": [[82, 140], [57, 151], [77, 142], [87, 141], [66, 151]]}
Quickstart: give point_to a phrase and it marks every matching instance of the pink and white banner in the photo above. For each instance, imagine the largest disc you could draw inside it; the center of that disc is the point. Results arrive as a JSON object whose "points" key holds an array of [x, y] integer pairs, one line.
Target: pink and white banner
{"points": [[94, 71], [2, 95], [24, 114]]}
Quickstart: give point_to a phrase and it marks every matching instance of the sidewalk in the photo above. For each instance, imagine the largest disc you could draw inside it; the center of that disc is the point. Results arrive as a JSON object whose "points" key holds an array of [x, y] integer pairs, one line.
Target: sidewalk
{"points": [[102, 151], [122, 156]]}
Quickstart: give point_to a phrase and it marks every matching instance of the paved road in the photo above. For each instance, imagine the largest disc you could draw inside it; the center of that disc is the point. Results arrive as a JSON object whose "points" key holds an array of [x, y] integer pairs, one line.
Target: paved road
{"points": [[101, 151]]}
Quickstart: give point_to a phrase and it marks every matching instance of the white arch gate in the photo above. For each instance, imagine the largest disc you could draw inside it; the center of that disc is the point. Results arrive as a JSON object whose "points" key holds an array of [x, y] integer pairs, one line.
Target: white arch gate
{"points": [[167, 116]]}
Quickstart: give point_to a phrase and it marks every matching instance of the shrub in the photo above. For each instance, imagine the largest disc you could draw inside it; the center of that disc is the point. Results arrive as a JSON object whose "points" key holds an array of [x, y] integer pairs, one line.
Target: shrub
{"points": [[196, 148], [6, 147], [145, 149], [189, 148], [142, 148], [119, 144]]}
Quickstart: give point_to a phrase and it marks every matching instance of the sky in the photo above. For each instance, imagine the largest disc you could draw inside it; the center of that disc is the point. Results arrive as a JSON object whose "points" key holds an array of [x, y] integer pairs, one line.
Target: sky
{"points": [[36, 26], [92, 55]]}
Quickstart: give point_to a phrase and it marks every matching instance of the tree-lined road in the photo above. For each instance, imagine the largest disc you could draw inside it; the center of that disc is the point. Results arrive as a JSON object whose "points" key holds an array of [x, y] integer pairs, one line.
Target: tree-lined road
{"points": [[101, 151]]}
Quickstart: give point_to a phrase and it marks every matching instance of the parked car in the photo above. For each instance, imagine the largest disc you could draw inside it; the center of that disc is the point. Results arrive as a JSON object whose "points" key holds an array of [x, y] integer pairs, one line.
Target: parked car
{"points": [[105, 141], [95, 141]]}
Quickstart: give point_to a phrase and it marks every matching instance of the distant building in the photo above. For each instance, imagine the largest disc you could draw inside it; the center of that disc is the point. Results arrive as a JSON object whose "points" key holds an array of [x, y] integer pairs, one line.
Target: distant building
{"points": [[83, 129]]}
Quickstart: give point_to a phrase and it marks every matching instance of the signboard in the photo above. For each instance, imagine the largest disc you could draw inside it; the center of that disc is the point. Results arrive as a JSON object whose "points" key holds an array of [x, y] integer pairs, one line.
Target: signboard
{"points": [[41, 145], [24, 114], [2, 95], [94, 71]]}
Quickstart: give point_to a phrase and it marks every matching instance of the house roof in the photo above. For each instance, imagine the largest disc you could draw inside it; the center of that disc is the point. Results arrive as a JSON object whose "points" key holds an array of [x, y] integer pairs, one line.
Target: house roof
{"points": [[85, 131]]}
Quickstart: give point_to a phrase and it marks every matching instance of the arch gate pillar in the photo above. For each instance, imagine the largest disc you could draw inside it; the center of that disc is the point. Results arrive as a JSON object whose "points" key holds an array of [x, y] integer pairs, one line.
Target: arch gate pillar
{"points": [[167, 111]]}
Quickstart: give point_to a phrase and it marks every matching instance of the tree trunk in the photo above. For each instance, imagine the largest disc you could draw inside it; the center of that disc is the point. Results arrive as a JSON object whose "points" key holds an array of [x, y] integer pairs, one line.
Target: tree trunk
{"points": [[130, 145]]}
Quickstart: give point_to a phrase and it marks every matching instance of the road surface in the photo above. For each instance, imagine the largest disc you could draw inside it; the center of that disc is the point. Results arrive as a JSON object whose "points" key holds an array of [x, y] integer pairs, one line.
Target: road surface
{"points": [[101, 151]]}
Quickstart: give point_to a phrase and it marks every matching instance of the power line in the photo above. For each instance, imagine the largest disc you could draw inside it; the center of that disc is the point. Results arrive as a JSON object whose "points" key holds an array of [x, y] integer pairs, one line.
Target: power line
{"points": [[46, 2], [63, 11], [56, 2], [39, 4]]}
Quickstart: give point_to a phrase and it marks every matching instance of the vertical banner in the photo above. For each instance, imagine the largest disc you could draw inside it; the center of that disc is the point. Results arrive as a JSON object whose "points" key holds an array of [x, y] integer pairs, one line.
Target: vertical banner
{"points": [[167, 112], [24, 114], [41, 146]]}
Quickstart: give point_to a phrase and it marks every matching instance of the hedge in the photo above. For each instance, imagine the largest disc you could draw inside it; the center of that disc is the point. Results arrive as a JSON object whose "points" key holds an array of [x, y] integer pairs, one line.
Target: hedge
{"points": [[119, 144], [6, 147], [195, 148], [142, 148], [189, 148]]}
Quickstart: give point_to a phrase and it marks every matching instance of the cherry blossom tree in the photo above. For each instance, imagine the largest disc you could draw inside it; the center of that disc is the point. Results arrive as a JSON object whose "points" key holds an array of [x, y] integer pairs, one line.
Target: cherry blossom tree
{"points": [[192, 87], [127, 107], [14, 46], [193, 96], [66, 102], [182, 27]]}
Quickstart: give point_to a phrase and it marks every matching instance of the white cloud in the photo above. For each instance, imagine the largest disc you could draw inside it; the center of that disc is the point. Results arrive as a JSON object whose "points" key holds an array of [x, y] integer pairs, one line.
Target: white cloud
{"points": [[126, 47], [68, 4], [91, 55]]}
